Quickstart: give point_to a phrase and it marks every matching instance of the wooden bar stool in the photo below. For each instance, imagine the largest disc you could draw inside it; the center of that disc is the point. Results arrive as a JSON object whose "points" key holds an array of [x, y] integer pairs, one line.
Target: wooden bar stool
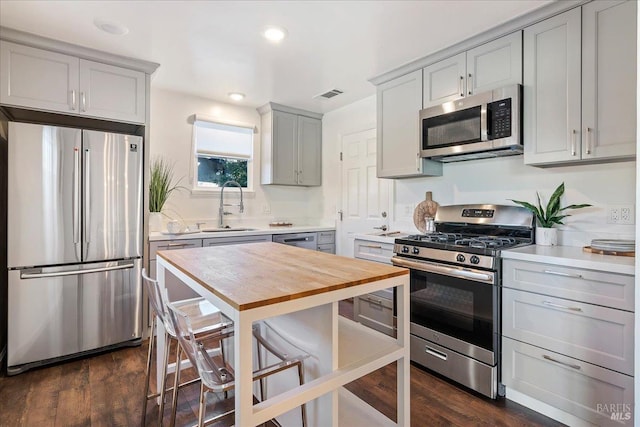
{"points": [[207, 321]]}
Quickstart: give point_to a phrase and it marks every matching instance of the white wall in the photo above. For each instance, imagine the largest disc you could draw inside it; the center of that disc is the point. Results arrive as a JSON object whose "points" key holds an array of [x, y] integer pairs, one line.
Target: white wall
{"points": [[492, 181], [171, 137]]}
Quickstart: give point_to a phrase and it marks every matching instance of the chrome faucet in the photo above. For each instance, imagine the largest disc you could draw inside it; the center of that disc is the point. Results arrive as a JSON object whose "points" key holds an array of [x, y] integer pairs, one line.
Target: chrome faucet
{"points": [[221, 210]]}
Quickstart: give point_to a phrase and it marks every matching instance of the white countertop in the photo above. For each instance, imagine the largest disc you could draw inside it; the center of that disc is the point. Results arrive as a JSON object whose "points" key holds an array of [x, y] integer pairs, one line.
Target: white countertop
{"points": [[571, 256], [255, 231], [381, 237]]}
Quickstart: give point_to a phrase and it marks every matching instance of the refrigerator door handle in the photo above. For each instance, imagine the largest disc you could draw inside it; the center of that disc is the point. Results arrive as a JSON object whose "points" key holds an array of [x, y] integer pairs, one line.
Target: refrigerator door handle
{"points": [[76, 196], [87, 193], [75, 272]]}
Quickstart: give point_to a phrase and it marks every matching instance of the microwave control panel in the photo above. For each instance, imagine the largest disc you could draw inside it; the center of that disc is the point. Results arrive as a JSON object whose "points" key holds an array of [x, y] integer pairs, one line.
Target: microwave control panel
{"points": [[499, 113]]}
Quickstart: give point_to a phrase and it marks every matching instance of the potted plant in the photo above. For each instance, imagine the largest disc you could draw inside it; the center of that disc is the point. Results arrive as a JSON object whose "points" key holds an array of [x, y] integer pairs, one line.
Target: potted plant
{"points": [[161, 185], [549, 216]]}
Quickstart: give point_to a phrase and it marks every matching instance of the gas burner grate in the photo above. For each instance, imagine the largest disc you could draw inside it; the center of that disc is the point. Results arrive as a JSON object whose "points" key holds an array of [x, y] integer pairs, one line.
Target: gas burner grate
{"points": [[436, 237], [486, 242]]}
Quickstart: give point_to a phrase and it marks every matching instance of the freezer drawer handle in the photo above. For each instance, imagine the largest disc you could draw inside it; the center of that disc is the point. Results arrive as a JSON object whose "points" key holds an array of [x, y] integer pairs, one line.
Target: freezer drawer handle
{"points": [[551, 359], [74, 272], [297, 239]]}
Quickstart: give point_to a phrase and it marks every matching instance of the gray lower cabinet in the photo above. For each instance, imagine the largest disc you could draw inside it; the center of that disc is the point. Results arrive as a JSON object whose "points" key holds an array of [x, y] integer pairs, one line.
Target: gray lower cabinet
{"points": [[327, 241], [588, 391], [175, 288], [580, 85], [568, 338], [375, 310]]}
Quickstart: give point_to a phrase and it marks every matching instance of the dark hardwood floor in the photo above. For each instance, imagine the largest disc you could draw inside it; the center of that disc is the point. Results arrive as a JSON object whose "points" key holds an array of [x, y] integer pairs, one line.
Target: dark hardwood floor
{"points": [[106, 390]]}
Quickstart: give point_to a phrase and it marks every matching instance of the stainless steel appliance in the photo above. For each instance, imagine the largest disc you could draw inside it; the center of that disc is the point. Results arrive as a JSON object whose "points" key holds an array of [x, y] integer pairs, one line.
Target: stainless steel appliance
{"points": [[455, 293], [301, 240], [74, 242], [485, 125]]}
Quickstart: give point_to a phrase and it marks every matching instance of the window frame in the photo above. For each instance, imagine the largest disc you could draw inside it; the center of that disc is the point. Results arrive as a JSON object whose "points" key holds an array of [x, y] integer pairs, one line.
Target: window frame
{"points": [[251, 175]]}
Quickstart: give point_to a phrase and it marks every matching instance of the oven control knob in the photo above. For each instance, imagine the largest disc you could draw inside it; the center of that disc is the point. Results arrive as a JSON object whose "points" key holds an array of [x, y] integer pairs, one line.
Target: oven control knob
{"points": [[460, 258], [416, 251], [475, 260], [405, 249]]}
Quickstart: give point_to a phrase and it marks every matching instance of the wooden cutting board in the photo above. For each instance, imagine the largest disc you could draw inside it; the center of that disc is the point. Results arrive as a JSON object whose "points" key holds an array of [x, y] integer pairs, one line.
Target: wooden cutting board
{"points": [[601, 252]]}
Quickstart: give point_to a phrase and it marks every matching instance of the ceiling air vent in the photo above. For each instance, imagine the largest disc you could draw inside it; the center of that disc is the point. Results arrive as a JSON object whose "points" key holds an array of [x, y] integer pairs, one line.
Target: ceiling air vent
{"points": [[329, 94]]}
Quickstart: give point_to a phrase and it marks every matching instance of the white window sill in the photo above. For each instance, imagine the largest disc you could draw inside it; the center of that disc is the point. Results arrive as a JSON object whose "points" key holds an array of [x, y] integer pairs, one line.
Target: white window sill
{"points": [[215, 191]]}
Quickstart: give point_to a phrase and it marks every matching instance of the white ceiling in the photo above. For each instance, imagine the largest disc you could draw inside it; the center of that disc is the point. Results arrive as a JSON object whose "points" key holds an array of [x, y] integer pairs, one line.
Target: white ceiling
{"points": [[211, 48]]}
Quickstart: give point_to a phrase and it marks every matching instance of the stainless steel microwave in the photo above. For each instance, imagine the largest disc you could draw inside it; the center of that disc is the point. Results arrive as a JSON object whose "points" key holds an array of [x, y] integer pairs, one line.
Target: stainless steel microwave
{"points": [[485, 125]]}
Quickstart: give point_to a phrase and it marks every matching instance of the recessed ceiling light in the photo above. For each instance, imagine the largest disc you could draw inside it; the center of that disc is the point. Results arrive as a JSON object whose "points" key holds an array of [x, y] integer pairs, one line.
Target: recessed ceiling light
{"points": [[274, 34], [236, 96], [111, 27]]}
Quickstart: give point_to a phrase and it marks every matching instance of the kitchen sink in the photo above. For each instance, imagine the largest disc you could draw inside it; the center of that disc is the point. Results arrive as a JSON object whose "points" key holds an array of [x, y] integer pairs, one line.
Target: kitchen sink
{"points": [[223, 230]]}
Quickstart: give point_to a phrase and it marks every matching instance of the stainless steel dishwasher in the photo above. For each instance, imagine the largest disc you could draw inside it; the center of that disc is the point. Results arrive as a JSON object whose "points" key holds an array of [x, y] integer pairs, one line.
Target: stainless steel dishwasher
{"points": [[301, 240]]}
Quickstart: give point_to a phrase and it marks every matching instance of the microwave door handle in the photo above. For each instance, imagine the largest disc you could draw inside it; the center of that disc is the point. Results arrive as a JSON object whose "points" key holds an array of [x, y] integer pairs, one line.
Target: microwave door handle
{"points": [[484, 129]]}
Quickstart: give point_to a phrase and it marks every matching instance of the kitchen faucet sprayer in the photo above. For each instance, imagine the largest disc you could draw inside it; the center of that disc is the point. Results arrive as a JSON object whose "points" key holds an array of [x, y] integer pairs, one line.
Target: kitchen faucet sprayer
{"points": [[221, 210]]}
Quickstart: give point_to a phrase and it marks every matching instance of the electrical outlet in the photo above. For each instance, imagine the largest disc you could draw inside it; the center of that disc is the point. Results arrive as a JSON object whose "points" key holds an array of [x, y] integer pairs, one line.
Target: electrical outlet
{"points": [[408, 210], [621, 214], [266, 209]]}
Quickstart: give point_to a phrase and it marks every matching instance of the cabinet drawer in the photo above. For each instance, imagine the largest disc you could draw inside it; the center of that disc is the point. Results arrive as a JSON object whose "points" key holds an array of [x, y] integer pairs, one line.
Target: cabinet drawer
{"points": [[582, 389], [221, 241], [373, 251], [599, 335], [166, 245], [325, 237], [329, 248], [374, 312], [595, 287]]}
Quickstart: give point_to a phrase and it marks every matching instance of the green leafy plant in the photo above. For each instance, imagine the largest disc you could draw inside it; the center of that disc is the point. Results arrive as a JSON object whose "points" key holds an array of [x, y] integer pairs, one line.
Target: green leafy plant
{"points": [[161, 184], [552, 213]]}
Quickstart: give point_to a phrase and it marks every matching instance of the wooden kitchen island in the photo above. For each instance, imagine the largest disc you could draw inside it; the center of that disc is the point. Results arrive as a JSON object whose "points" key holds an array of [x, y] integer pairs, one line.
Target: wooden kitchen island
{"points": [[298, 291]]}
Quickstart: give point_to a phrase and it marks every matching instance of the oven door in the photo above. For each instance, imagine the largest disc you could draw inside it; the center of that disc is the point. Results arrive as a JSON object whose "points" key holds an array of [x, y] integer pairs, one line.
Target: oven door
{"points": [[455, 307]]}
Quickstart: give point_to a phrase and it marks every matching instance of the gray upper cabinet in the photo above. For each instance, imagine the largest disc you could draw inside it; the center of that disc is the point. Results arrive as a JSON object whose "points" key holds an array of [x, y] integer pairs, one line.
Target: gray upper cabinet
{"points": [[43, 80], [486, 67], [580, 85], [291, 146], [399, 102]]}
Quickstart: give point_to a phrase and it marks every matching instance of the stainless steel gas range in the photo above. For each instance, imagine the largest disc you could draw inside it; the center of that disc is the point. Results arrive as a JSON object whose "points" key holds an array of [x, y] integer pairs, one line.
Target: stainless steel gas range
{"points": [[455, 290]]}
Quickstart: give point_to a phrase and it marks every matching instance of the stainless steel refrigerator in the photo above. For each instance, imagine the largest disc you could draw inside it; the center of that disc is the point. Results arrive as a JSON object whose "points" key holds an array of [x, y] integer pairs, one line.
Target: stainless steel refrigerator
{"points": [[74, 243]]}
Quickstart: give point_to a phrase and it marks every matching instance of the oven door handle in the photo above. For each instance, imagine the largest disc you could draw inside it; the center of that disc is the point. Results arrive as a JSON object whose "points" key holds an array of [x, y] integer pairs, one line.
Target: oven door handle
{"points": [[478, 276]]}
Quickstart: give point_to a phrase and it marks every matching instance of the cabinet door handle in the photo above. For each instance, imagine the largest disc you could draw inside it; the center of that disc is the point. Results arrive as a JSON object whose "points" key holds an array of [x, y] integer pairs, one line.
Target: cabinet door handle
{"points": [[573, 142], [73, 99], [588, 140], [460, 86], [551, 359], [83, 102], [418, 162], [470, 84], [372, 246], [300, 180], [559, 273], [564, 307]]}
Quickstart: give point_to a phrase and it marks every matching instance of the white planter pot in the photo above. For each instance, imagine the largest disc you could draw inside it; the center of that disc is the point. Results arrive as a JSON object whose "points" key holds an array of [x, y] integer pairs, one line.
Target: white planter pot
{"points": [[155, 221], [546, 236]]}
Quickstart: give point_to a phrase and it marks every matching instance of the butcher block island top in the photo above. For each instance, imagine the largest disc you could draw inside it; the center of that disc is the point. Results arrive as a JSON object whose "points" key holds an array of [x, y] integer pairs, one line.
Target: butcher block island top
{"points": [[258, 274]]}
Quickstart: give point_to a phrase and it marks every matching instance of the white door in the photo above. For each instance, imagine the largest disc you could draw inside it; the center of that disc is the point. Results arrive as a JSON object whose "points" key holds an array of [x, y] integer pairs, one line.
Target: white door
{"points": [[365, 198]]}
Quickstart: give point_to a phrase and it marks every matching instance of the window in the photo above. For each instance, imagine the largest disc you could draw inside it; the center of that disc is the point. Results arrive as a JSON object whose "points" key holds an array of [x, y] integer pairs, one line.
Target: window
{"points": [[223, 152]]}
